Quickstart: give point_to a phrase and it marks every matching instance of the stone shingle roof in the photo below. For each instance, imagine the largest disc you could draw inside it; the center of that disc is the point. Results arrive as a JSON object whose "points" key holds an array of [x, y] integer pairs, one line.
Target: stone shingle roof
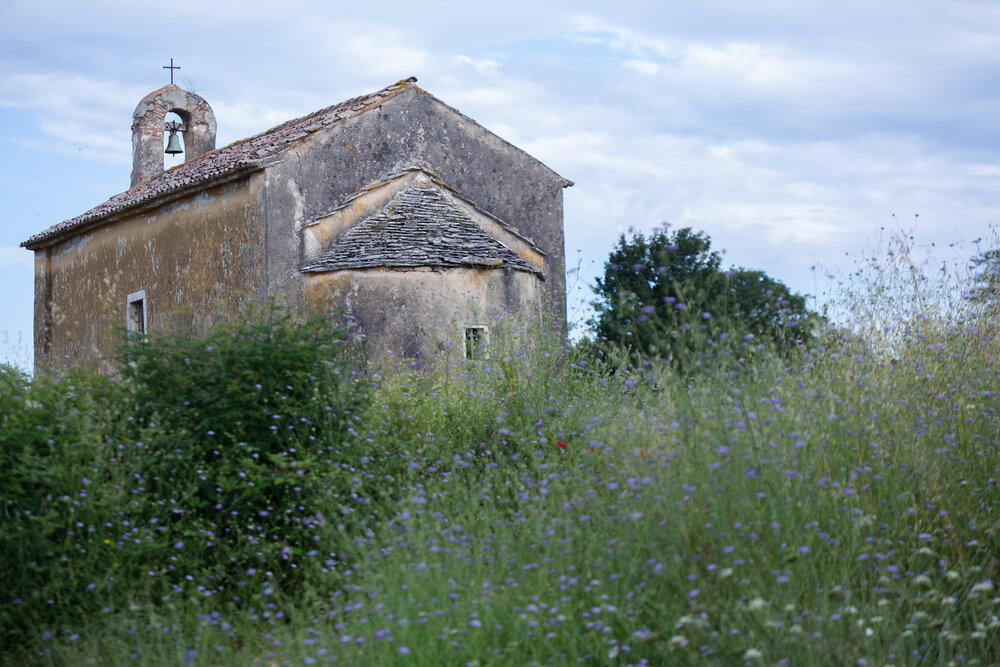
{"points": [[230, 161], [441, 185], [419, 227]]}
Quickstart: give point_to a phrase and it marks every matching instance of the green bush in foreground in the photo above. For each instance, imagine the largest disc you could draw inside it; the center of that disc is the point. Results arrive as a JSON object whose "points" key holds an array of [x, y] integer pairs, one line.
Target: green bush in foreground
{"points": [[234, 452], [213, 465], [836, 511], [56, 494]]}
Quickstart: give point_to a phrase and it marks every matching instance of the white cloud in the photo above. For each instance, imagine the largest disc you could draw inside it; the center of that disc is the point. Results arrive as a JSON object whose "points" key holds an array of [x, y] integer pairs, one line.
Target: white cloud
{"points": [[383, 53], [594, 30], [764, 67], [482, 66], [244, 119], [77, 112], [984, 170]]}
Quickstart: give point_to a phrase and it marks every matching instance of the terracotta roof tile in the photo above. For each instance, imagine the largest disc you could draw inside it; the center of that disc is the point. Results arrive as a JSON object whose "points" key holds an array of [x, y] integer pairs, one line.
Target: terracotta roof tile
{"points": [[239, 157]]}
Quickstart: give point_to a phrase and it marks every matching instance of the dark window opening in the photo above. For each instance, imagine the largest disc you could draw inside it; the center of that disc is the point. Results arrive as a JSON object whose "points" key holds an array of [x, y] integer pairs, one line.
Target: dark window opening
{"points": [[136, 314], [475, 342]]}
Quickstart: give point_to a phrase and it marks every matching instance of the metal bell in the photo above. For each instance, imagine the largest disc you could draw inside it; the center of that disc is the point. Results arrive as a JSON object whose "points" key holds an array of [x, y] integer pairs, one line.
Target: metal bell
{"points": [[174, 144]]}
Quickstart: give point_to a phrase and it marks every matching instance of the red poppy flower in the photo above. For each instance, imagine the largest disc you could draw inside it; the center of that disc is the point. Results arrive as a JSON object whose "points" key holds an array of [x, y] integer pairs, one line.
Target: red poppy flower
{"points": [[562, 445]]}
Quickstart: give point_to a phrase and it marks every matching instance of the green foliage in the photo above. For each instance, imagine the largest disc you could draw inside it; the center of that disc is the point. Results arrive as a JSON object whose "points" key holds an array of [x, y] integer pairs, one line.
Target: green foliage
{"points": [[211, 466], [489, 423], [54, 480], [835, 510], [531, 507], [237, 441], [665, 297]]}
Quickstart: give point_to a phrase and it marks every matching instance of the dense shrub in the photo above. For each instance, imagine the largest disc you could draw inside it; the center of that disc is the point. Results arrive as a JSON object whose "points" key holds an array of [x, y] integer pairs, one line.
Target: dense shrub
{"points": [[55, 483], [487, 423], [207, 464], [235, 450]]}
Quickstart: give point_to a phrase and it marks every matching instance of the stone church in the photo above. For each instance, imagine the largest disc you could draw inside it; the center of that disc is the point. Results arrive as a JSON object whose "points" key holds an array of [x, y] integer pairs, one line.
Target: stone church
{"points": [[429, 234]]}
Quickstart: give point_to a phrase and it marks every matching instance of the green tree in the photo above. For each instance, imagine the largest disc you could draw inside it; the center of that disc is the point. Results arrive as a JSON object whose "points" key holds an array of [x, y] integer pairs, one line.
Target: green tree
{"points": [[666, 297]]}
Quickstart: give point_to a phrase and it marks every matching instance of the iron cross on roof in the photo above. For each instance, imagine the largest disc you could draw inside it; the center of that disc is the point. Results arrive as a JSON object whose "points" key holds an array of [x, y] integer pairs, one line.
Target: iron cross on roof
{"points": [[171, 68]]}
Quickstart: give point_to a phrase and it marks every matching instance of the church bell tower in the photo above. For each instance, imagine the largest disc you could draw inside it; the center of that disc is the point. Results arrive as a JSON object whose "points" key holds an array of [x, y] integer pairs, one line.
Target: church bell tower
{"points": [[197, 126]]}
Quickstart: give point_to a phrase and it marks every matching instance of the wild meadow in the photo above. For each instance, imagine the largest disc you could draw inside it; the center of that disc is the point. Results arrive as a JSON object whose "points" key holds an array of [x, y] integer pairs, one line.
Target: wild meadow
{"points": [[256, 496]]}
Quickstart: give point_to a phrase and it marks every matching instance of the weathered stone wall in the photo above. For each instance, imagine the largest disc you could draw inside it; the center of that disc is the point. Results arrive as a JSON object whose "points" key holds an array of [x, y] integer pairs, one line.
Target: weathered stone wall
{"points": [[197, 260], [418, 317], [413, 128]]}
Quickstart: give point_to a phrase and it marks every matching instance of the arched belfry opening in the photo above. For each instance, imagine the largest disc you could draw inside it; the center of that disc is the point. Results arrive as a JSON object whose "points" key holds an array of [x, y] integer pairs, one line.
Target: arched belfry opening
{"points": [[169, 110], [174, 151]]}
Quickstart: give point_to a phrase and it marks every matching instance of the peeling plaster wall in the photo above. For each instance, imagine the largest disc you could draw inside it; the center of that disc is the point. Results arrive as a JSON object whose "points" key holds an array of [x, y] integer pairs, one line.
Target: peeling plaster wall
{"points": [[197, 260], [418, 317], [43, 300], [414, 128]]}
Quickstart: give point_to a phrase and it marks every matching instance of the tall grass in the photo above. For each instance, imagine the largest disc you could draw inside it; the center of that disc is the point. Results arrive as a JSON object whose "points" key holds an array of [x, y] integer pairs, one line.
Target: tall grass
{"points": [[541, 507]]}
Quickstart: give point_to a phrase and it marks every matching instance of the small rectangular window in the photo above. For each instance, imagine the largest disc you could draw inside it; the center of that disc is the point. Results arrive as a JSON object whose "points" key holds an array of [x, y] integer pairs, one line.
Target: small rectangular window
{"points": [[476, 340], [136, 312]]}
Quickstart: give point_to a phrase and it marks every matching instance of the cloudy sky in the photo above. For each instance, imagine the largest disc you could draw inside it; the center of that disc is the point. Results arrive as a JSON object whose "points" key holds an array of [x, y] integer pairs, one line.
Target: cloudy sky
{"points": [[790, 131]]}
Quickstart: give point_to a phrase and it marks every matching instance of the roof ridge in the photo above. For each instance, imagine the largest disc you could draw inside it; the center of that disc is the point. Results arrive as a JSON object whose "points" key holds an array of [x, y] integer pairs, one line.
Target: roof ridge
{"points": [[402, 83]]}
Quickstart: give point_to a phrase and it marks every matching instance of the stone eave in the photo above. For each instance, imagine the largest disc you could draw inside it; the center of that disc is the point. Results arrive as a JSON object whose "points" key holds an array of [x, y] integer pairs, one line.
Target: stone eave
{"points": [[434, 268]]}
